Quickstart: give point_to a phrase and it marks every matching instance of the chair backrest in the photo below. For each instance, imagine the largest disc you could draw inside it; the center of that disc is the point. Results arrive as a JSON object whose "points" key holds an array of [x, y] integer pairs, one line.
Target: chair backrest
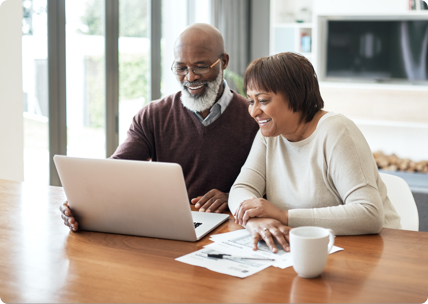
{"points": [[403, 201]]}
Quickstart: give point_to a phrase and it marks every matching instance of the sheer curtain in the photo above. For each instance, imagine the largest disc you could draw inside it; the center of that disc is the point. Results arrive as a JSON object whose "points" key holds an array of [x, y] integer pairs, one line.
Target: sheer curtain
{"points": [[232, 18]]}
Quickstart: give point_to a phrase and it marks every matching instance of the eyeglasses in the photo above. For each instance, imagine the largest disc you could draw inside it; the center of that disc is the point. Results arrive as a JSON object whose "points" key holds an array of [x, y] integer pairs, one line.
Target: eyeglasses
{"points": [[199, 70]]}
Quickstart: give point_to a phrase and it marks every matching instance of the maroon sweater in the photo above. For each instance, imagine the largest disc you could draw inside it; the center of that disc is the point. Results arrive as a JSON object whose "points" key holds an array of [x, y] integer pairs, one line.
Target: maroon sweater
{"points": [[211, 156]]}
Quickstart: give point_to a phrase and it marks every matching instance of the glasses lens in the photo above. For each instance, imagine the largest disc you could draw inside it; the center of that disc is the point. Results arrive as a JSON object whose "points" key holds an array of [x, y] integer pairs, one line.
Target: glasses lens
{"points": [[179, 71], [201, 70]]}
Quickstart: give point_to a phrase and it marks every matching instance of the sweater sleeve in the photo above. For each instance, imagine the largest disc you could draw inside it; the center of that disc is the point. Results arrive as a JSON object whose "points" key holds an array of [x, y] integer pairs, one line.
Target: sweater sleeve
{"points": [[251, 181], [351, 174], [139, 144]]}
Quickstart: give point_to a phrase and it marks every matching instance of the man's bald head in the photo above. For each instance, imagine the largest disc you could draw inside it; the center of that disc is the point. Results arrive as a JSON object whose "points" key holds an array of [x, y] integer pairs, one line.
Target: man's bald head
{"points": [[200, 36]]}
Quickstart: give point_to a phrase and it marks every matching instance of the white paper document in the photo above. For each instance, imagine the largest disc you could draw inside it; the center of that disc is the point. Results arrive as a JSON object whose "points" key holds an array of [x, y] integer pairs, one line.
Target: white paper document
{"points": [[238, 244], [231, 266]]}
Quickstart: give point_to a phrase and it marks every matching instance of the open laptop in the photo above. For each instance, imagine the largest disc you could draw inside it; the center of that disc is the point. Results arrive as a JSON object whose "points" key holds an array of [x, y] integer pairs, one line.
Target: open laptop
{"points": [[132, 197]]}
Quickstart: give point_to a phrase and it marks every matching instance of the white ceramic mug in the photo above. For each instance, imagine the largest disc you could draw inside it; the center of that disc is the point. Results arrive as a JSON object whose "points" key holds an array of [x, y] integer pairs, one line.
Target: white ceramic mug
{"points": [[309, 247]]}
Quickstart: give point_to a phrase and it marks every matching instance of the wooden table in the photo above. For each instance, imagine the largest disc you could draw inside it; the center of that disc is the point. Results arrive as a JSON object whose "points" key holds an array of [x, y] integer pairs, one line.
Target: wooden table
{"points": [[41, 261]]}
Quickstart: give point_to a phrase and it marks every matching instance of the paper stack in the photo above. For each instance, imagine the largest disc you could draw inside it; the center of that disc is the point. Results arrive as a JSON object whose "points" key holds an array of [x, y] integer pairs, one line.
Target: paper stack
{"points": [[239, 244]]}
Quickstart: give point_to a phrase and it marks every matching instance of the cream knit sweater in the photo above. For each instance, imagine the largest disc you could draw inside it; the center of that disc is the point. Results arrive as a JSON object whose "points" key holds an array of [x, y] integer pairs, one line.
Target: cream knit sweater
{"points": [[329, 179]]}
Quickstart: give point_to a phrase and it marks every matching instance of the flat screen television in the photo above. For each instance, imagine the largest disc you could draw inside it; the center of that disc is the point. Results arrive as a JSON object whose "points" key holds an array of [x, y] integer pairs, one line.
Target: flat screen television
{"points": [[377, 50]]}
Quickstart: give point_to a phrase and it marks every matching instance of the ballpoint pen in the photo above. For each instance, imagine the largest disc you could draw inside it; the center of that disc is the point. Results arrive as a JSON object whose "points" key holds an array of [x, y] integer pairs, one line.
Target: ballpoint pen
{"points": [[223, 255]]}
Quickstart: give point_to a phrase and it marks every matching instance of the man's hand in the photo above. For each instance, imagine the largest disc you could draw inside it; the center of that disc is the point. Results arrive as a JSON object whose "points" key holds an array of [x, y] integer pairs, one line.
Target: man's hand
{"points": [[268, 230], [259, 207], [68, 218], [213, 201]]}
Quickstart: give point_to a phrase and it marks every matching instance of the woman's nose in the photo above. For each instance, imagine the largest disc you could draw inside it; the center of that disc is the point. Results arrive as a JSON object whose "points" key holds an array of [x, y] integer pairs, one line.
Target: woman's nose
{"points": [[254, 110]]}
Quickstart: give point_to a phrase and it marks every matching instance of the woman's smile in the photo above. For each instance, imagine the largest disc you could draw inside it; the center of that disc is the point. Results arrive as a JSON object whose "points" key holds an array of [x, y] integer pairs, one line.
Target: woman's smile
{"points": [[263, 122]]}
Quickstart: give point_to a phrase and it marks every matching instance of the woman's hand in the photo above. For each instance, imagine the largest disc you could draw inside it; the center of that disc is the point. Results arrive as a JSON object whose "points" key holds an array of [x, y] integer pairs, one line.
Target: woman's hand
{"points": [[259, 207], [268, 230], [68, 218]]}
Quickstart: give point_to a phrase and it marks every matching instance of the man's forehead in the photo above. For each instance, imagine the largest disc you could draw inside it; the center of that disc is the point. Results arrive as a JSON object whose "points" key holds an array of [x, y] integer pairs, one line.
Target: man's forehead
{"points": [[194, 53]]}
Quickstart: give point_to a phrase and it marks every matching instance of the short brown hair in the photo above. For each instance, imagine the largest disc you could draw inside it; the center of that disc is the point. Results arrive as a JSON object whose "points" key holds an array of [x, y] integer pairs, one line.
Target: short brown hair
{"points": [[290, 75]]}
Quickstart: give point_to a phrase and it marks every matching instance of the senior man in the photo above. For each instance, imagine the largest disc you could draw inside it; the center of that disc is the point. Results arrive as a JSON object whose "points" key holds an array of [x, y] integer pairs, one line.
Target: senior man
{"points": [[205, 127]]}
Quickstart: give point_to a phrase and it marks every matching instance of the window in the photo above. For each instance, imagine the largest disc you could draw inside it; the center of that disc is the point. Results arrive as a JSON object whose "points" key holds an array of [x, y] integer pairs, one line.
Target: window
{"points": [[35, 87], [85, 78], [134, 52], [86, 127]]}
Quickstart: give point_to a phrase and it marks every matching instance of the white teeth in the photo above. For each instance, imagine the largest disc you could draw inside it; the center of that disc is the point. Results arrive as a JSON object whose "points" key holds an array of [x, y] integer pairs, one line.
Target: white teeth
{"points": [[195, 88], [264, 121]]}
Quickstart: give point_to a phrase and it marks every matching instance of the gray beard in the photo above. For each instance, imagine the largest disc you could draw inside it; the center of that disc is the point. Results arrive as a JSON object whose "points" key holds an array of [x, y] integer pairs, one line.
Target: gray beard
{"points": [[206, 100]]}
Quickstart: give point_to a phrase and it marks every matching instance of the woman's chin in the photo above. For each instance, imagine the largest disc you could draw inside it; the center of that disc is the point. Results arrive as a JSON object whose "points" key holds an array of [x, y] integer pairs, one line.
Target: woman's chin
{"points": [[266, 133]]}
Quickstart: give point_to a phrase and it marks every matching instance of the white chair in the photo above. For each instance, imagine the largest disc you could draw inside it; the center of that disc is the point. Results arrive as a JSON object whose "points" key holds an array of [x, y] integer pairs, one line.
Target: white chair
{"points": [[403, 201]]}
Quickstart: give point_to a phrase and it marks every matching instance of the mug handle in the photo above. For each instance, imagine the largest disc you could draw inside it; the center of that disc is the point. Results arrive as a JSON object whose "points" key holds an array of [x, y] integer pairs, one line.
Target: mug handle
{"points": [[331, 241]]}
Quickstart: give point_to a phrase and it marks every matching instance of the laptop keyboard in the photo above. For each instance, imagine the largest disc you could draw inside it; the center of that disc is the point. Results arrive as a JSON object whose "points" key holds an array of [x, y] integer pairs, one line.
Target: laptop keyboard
{"points": [[196, 224]]}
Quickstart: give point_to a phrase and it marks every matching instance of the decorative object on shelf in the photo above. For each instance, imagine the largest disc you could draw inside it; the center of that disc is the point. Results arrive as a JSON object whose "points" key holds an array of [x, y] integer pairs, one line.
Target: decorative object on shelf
{"points": [[416, 5], [306, 43], [304, 15], [394, 163]]}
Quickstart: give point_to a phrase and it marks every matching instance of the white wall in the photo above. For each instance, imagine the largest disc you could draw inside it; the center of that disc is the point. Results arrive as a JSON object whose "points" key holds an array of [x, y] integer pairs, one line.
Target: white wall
{"points": [[11, 94], [360, 7]]}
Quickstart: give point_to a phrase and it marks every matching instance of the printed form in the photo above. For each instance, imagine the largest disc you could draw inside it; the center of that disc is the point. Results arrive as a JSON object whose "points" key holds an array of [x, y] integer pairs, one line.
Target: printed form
{"points": [[238, 244]]}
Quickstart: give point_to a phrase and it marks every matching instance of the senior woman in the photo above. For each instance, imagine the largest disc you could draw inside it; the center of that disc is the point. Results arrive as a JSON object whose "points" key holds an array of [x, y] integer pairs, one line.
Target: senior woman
{"points": [[307, 167]]}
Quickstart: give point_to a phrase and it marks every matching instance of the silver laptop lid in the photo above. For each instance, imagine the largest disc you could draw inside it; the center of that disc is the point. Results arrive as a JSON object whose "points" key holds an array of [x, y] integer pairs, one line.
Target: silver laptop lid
{"points": [[127, 197]]}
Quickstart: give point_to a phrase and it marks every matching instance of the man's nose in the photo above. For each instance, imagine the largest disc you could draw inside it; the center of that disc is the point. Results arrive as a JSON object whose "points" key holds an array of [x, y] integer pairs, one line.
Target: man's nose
{"points": [[191, 76]]}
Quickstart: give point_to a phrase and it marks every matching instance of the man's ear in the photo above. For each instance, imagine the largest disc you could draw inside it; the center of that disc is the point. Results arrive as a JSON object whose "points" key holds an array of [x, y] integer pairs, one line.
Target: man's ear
{"points": [[225, 61]]}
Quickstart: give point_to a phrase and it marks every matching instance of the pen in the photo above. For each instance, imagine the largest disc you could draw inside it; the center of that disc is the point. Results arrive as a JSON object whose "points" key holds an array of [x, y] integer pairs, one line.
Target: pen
{"points": [[222, 255]]}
